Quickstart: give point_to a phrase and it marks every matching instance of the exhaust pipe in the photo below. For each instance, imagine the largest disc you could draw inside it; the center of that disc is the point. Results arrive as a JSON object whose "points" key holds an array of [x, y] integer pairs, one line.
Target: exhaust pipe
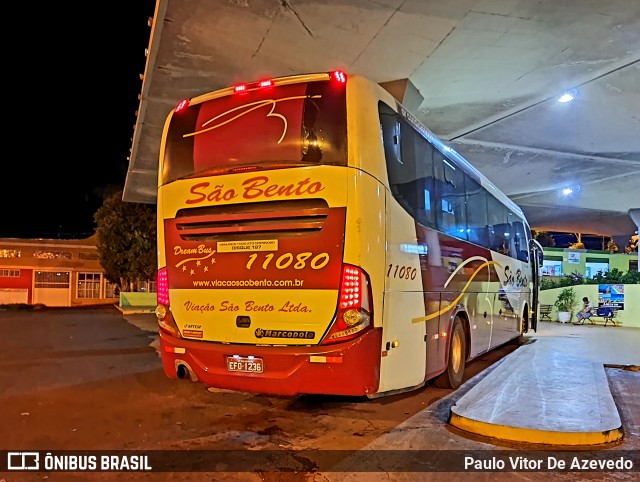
{"points": [[183, 372]]}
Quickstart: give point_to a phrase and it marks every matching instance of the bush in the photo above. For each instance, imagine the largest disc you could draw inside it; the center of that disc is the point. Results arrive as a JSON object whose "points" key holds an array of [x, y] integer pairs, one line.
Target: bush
{"points": [[631, 277], [547, 283], [614, 276], [566, 300]]}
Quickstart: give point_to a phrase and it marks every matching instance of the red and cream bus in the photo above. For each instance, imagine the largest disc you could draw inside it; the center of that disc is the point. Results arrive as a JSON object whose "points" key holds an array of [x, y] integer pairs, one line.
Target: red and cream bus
{"points": [[315, 238]]}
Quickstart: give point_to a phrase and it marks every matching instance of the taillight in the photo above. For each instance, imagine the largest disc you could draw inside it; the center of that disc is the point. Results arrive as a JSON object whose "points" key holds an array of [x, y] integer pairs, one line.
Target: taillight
{"points": [[339, 76], [261, 84], [354, 306], [336, 76], [182, 105], [163, 312], [162, 286]]}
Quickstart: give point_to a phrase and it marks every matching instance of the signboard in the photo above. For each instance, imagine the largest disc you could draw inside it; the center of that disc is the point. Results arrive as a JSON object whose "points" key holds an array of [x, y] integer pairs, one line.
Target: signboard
{"points": [[573, 258], [611, 295]]}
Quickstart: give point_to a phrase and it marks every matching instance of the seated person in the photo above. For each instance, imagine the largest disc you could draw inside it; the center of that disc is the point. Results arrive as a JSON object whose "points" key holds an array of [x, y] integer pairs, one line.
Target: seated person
{"points": [[585, 312]]}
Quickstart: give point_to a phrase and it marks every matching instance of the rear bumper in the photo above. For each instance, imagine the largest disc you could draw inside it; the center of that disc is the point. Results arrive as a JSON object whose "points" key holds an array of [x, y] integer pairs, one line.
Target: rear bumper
{"points": [[350, 368]]}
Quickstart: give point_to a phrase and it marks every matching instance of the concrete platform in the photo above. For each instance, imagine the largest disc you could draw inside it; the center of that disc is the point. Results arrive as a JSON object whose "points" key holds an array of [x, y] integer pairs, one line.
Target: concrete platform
{"points": [[554, 389]]}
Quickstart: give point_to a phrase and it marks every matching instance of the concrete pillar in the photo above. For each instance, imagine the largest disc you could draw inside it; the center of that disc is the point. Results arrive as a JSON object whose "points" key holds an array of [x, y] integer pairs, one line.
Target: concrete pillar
{"points": [[634, 214], [405, 92]]}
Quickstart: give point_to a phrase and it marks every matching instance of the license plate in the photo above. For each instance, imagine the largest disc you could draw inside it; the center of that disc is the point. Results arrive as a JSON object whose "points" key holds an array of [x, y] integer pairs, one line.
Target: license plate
{"points": [[245, 364]]}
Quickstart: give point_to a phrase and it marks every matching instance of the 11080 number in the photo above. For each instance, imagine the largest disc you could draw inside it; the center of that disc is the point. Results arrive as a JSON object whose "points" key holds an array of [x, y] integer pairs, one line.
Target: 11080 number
{"points": [[285, 260], [401, 272]]}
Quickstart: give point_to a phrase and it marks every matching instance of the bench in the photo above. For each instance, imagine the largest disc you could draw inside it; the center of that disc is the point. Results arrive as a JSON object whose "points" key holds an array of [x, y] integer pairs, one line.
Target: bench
{"points": [[606, 313], [545, 312]]}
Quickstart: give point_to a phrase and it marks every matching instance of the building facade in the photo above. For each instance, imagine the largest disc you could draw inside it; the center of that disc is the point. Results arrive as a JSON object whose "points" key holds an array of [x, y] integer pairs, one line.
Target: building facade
{"points": [[586, 262], [53, 272]]}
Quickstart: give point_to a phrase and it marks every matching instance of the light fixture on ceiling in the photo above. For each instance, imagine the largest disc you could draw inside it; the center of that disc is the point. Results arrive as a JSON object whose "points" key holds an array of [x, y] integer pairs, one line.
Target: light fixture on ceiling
{"points": [[568, 96], [567, 191]]}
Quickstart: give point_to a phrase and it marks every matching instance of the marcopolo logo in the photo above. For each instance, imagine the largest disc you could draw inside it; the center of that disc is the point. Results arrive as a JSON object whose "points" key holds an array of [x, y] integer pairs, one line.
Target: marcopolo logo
{"points": [[23, 461], [265, 333]]}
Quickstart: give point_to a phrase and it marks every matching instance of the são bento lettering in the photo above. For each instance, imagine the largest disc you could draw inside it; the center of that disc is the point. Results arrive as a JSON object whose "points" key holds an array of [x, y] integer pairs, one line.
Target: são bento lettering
{"points": [[253, 188]]}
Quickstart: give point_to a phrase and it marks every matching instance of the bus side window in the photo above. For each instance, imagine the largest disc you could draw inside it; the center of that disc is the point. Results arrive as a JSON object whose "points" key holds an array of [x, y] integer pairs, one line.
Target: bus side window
{"points": [[400, 174], [421, 152], [520, 241], [476, 202], [408, 158], [499, 238], [450, 191], [390, 127], [497, 224]]}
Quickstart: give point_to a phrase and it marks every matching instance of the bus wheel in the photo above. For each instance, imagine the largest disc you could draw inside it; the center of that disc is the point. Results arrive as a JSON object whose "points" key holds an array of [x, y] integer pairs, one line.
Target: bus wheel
{"points": [[524, 327], [452, 376]]}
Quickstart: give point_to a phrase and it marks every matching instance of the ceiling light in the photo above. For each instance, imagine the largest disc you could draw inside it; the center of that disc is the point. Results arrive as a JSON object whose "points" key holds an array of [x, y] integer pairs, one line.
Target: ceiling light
{"points": [[567, 191], [568, 96]]}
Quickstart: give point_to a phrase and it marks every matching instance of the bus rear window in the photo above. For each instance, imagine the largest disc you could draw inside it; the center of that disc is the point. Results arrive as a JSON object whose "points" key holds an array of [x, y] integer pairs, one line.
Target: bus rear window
{"points": [[284, 126]]}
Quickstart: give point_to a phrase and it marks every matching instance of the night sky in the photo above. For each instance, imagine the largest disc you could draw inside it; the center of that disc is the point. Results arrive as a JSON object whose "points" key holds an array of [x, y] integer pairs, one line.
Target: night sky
{"points": [[79, 94]]}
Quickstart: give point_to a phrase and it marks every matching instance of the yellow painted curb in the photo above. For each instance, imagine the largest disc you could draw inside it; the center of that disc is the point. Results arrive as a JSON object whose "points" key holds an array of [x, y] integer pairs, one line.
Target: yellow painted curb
{"points": [[528, 435]]}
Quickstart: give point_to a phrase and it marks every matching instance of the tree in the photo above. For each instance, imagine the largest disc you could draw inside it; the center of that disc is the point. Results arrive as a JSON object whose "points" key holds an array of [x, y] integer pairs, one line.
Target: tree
{"points": [[544, 238], [578, 244], [127, 241], [632, 245]]}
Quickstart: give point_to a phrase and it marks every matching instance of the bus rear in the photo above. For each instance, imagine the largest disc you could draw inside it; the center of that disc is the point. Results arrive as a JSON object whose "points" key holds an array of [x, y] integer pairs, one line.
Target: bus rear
{"points": [[254, 293]]}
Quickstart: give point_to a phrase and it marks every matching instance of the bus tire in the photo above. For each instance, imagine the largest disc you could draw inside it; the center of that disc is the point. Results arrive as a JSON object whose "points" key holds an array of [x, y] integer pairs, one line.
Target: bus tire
{"points": [[452, 376], [524, 324], [524, 327]]}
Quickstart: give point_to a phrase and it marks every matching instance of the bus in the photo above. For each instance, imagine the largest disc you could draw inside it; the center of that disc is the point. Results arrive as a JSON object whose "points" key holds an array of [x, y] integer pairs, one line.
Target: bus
{"points": [[314, 237]]}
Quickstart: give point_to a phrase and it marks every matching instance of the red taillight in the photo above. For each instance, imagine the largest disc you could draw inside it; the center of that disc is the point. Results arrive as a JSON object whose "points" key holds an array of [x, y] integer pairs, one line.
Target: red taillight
{"points": [[351, 287], [339, 76], [162, 287], [243, 169], [262, 84], [354, 306], [182, 106]]}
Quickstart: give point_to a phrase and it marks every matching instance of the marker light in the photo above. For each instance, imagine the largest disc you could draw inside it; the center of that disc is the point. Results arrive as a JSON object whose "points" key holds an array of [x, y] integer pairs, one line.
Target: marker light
{"points": [[339, 76], [182, 105]]}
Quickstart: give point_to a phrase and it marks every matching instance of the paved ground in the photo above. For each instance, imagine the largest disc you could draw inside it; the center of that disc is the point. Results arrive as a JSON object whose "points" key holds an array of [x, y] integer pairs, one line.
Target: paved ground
{"points": [[91, 379]]}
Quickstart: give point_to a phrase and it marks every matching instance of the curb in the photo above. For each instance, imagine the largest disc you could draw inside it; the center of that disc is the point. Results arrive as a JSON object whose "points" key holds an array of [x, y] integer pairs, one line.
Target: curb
{"points": [[528, 435], [135, 310]]}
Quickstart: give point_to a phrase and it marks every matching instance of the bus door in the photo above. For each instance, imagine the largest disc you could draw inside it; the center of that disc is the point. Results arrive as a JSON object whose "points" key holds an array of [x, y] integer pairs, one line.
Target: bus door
{"points": [[536, 259]]}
